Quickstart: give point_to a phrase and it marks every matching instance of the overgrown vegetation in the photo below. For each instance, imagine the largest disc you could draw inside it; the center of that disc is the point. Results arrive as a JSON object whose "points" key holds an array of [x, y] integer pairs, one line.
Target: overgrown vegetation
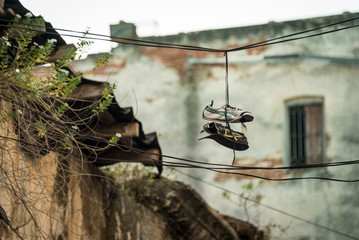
{"points": [[39, 94], [38, 113]]}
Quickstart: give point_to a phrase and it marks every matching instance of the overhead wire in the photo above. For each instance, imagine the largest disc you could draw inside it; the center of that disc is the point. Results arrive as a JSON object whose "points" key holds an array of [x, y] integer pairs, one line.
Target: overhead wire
{"points": [[198, 179], [178, 165], [126, 42], [258, 44], [195, 48], [217, 165], [291, 39], [84, 34], [269, 207], [188, 47], [145, 43]]}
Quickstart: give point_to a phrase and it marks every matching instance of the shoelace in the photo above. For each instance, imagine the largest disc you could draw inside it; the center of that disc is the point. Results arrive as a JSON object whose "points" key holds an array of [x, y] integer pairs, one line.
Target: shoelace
{"points": [[233, 108]]}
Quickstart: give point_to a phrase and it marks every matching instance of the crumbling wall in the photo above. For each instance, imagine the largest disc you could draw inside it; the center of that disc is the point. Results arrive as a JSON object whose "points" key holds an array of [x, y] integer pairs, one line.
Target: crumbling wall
{"points": [[47, 199], [64, 197], [72, 200]]}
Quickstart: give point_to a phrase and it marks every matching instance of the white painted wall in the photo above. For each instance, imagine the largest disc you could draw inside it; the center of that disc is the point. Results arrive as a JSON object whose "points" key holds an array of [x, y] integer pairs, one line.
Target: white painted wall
{"points": [[171, 105]]}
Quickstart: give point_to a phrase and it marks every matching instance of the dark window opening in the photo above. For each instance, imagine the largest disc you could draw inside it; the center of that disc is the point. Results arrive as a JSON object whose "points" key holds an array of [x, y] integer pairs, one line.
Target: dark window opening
{"points": [[306, 134]]}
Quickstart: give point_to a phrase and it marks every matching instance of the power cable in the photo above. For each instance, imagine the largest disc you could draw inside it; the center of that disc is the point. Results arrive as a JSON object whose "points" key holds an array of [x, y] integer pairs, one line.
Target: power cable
{"points": [[269, 207], [198, 179], [264, 43], [190, 48], [293, 34], [187, 47], [291, 39], [180, 165], [107, 36], [217, 166]]}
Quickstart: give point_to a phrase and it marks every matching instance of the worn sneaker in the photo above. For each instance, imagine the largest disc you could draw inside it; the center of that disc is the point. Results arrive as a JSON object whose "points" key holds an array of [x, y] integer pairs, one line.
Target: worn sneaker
{"points": [[234, 115], [222, 135]]}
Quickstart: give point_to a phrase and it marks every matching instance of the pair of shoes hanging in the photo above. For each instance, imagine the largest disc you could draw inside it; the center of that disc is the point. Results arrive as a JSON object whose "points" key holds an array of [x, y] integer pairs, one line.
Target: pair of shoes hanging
{"points": [[224, 135]]}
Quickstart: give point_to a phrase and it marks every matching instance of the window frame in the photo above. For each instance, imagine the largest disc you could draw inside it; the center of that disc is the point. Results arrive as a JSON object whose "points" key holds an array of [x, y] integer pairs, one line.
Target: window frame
{"points": [[301, 101]]}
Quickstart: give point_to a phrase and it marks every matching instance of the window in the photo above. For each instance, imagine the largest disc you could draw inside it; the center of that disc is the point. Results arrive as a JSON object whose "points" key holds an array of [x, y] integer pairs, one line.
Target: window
{"points": [[305, 130]]}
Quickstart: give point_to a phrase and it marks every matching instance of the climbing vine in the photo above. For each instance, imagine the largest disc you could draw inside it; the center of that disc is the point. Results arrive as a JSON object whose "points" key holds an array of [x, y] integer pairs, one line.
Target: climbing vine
{"points": [[39, 113], [43, 116]]}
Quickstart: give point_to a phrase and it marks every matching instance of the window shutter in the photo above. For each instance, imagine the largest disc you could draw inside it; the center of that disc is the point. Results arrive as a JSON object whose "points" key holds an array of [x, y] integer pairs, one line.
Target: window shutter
{"points": [[314, 133]]}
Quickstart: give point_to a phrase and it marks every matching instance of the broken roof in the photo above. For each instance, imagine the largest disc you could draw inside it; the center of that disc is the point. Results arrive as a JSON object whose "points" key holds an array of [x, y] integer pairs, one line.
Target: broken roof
{"points": [[136, 146]]}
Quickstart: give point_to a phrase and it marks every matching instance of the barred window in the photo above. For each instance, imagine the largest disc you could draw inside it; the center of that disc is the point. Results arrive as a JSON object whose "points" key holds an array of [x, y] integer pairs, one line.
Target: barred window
{"points": [[306, 132]]}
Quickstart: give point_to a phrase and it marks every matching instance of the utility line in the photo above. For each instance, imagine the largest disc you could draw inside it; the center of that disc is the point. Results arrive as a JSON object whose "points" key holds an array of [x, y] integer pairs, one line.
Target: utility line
{"points": [[269, 207], [227, 167], [195, 48], [292, 39], [185, 47], [107, 36], [293, 34], [179, 165], [217, 166], [190, 48], [198, 179]]}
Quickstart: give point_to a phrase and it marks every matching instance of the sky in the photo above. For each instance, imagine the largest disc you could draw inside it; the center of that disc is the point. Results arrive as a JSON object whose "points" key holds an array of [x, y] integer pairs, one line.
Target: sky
{"points": [[166, 17]]}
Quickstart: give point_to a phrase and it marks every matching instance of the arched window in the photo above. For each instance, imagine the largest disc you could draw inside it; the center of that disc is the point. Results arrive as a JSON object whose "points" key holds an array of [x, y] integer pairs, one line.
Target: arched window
{"points": [[305, 130]]}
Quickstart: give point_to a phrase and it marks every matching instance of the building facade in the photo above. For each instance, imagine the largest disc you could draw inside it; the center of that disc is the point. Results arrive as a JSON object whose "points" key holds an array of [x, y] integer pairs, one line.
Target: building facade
{"points": [[303, 94]]}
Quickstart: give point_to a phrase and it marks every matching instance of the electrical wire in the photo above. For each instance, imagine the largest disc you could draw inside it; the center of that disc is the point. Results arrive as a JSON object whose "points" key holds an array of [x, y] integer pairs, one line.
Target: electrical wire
{"points": [[106, 36], [269, 207], [217, 166], [195, 48], [186, 47], [292, 39], [198, 179], [179, 165], [293, 34], [158, 45]]}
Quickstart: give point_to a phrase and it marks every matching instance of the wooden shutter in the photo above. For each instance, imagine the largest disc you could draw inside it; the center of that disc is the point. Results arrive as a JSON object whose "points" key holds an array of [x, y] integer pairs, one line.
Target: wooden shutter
{"points": [[314, 133]]}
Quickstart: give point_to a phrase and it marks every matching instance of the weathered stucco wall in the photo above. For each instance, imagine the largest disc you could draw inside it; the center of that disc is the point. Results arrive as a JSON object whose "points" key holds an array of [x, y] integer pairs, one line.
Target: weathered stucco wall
{"points": [[171, 87], [64, 198], [77, 203]]}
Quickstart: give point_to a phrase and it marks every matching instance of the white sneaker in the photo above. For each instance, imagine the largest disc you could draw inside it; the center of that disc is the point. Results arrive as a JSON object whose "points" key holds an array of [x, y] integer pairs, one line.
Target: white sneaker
{"points": [[234, 115]]}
